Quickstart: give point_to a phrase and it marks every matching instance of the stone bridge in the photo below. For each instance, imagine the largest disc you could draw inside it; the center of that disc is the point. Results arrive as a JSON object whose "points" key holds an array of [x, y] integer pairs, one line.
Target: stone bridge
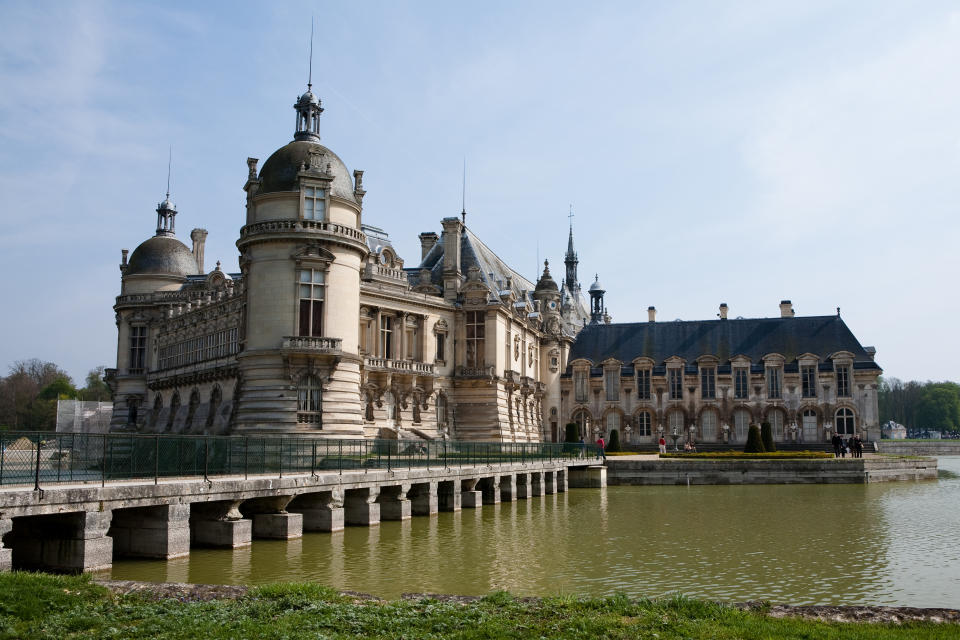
{"points": [[82, 527]]}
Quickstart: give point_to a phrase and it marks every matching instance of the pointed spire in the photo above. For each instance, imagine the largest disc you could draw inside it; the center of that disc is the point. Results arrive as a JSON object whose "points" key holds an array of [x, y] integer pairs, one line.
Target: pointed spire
{"points": [[570, 259], [308, 106], [463, 195], [166, 210]]}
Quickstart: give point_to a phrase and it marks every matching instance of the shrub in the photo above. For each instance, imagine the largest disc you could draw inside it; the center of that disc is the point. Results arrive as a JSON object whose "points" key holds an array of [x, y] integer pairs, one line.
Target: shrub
{"points": [[766, 434], [614, 444], [571, 433], [754, 441]]}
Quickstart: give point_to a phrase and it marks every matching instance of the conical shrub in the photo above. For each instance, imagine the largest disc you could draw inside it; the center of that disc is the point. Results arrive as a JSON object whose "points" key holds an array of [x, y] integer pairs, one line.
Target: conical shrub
{"points": [[614, 444], [766, 434], [571, 433], [754, 441]]}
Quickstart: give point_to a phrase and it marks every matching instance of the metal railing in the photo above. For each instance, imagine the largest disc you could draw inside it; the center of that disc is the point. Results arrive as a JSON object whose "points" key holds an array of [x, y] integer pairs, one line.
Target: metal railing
{"points": [[47, 458]]}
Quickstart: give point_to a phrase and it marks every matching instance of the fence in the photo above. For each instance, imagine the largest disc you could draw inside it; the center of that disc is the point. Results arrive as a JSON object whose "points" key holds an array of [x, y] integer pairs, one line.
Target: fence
{"points": [[43, 458]]}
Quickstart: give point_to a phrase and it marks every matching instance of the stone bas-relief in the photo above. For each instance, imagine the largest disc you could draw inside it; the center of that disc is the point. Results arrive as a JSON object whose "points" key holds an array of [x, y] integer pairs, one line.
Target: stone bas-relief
{"points": [[327, 331]]}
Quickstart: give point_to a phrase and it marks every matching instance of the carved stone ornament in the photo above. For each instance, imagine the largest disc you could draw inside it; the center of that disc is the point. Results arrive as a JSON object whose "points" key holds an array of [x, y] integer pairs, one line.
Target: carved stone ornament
{"points": [[516, 347]]}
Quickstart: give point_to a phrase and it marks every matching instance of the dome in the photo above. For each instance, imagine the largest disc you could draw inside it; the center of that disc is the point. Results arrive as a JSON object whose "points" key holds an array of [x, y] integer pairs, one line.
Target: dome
{"points": [[166, 205], [546, 282], [279, 172], [596, 286], [162, 255], [307, 98]]}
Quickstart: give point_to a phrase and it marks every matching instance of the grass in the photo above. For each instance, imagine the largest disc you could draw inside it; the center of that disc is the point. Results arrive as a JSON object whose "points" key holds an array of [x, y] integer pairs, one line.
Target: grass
{"points": [[45, 606], [740, 455]]}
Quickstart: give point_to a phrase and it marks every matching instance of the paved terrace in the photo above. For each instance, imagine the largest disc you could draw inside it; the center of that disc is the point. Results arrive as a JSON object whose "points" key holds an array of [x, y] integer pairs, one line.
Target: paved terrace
{"points": [[77, 501]]}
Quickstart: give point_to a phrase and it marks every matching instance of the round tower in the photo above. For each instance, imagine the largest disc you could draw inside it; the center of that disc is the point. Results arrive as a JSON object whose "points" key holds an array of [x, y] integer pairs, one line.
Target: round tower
{"points": [[300, 253]]}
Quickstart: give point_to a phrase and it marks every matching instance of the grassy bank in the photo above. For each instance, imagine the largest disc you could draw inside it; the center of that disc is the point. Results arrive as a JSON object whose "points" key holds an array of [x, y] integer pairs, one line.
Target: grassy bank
{"points": [[43, 606], [740, 455]]}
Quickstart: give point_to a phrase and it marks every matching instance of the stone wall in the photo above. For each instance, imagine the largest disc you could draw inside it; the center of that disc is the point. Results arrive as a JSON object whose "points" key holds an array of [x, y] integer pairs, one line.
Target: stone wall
{"points": [[920, 448]]}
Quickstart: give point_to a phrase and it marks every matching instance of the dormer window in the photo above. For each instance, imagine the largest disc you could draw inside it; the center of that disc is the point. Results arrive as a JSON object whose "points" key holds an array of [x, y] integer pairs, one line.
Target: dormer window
{"points": [[708, 383], [611, 380], [774, 379], [314, 204], [843, 380], [741, 389], [580, 385], [643, 384], [675, 382]]}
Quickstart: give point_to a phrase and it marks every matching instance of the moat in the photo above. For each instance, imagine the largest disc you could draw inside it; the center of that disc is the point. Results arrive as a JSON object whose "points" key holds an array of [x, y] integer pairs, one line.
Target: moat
{"points": [[887, 543]]}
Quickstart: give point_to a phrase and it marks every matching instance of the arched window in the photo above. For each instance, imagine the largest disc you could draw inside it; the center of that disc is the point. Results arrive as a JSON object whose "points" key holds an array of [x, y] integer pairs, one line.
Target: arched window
{"points": [[308, 400], [741, 424], [675, 421], [216, 396], [192, 408], [644, 424], [582, 419], [708, 425], [845, 422], [441, 411], [809, 427], [776, 419], [174, 409], [613, 422]]}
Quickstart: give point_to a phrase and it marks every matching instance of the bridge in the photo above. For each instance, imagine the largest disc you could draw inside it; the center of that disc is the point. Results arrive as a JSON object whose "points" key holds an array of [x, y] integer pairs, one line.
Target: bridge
{"points": [[73, 502]]}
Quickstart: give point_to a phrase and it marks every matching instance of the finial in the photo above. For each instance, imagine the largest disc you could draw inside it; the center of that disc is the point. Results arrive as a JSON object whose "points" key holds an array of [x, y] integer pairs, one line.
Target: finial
{"points": [[169, 164], [838, 312], [570, 215], [310, 68], [463, 195]]}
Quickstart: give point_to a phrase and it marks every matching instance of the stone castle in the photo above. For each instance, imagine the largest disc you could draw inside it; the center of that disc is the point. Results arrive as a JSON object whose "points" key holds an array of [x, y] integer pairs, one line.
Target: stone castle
{"points": [[325, 332]]}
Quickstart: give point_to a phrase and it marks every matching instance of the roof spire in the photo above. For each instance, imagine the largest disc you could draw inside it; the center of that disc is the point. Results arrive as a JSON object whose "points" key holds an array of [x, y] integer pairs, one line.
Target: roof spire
{"points": [[166, 210], [463, 195], [169, 164], [308, 106]]}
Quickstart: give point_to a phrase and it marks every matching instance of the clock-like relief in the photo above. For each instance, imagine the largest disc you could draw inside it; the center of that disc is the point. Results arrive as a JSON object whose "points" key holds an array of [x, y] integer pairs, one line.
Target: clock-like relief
{"points": [[552, 304]]}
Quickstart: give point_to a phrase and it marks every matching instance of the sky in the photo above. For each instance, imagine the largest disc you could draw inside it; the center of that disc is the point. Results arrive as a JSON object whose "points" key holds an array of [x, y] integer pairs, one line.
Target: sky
{"points": [[738, 152]]}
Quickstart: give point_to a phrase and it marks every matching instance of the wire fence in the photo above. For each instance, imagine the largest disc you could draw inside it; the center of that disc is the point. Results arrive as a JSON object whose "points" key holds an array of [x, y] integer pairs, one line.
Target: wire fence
{"points": [[45, 458]]}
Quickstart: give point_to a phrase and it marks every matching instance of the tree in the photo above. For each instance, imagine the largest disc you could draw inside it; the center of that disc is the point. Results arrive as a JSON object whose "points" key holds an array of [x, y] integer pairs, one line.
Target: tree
{"points": [[19, 390], [766, 435], [939, 407], [96, 387], [60, 389], [614, 444], [571, 433], [754, 441]]}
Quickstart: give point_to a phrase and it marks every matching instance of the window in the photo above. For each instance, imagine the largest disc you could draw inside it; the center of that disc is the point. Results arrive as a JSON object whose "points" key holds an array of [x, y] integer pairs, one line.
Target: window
{"points": [[808, 381], [580, 386], [441, 343], [843, 381], [776, 424], [132, 410], [308, 400], [675, 380], [611, 383], [138, 349], [311, 302], [476, 326], [740, 381], [386, 337], [643, 423], [643, 384], [613, 422], [314, 204], [708, 425], [773, 382], [708, 383], [582, 420], [845, 422], [741, 424]]}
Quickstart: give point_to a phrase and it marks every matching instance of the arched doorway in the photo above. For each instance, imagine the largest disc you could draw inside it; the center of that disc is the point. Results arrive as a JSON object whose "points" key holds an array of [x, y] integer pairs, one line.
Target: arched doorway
{"points": [[581, 417]]}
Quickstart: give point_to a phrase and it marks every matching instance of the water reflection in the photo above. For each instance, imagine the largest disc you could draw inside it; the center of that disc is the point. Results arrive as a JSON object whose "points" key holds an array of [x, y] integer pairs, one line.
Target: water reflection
{"points": [[882, 544]]}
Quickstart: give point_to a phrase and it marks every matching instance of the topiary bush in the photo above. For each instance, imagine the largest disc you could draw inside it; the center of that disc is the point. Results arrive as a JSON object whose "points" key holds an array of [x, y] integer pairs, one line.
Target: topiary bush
{"points": [[754, 441], [766, 434], [614, 444], [571, 433]]}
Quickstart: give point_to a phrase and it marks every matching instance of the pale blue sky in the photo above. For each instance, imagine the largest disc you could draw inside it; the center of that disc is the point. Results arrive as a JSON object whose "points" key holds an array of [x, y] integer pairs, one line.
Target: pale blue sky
{"points": [[712, 151]]}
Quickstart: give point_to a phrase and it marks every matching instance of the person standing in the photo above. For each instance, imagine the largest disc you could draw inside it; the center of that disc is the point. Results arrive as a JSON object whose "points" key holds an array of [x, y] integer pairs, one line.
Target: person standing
{"points": [[858, 446], [602, 445], [663, 444], [837, 442]]}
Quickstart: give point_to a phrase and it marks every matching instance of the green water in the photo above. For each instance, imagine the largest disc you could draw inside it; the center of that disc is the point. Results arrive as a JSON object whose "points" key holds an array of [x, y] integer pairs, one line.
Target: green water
{"points": [[891, 543]]}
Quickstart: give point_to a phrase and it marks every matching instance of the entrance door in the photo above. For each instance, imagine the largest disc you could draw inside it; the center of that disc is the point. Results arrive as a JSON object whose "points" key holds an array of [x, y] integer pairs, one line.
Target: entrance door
{"points": [[810, 426]]}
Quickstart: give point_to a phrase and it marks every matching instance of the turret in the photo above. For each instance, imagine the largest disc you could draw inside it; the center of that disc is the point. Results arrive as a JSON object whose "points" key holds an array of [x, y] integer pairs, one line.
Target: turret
{"points": [[597, 310]]}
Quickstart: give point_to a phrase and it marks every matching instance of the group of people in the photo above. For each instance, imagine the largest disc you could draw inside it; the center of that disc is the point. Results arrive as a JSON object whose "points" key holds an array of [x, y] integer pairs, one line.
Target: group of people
{"points": [[852, 445]]}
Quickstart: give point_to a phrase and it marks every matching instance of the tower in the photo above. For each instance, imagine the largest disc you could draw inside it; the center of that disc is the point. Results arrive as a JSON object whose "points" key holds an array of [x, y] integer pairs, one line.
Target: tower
{"points": [[570, 261], [597, 310]]}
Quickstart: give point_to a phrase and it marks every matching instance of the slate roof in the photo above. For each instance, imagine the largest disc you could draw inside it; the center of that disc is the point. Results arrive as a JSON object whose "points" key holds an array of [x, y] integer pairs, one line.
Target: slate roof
{"points": [[724, 339]]}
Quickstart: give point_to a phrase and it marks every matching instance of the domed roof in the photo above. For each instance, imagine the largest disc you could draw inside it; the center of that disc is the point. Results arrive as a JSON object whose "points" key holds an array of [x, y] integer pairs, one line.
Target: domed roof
{"points": [[279, 172], [546, 282], [162, 255], [596, 286]]}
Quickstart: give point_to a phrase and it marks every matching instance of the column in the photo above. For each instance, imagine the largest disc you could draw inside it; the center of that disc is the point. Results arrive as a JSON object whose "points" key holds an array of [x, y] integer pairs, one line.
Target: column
{"points": [[69, 542], [394, 504], [361, 507], [449, 496], [219, 524], [522, 481], [508, 487], [160, 532], [423, 498], [536, 484], [322, 511], [271, 520], [470, 496]]}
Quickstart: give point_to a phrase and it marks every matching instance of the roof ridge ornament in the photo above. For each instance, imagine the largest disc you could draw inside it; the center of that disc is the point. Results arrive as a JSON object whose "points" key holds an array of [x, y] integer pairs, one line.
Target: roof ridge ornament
{"points": [[166, 210], [308, 106]]}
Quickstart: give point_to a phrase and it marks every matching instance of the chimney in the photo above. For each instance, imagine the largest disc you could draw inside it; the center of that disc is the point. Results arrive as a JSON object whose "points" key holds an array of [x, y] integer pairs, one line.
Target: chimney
{"points": [[652, 314], [786, 309], [199, 237], [452, 276], [427, 241], [871, 351], [724, 309]]}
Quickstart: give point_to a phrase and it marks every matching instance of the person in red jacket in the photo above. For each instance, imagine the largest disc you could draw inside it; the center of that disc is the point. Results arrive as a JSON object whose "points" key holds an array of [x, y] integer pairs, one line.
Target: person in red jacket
{"points": [[602, 445], [663, 444]]}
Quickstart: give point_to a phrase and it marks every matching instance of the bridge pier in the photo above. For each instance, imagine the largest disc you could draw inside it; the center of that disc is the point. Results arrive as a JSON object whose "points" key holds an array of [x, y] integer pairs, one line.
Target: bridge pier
{"points": [[219, 524], [562, 480], [321, 511], [536, 484], [66, 542], [271, 520], [6, 554], [549, 482], [423, 498], [448, 496], [394, 504], [490, 487], [508, 487], [592, 477], [361, 507], [522, 481], [470, 496], [162, 531]]}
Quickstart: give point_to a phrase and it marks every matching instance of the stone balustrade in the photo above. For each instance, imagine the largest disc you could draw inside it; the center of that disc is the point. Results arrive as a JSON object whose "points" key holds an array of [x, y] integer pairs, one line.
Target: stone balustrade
{"points": [[311, 344], [399, 366]]}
